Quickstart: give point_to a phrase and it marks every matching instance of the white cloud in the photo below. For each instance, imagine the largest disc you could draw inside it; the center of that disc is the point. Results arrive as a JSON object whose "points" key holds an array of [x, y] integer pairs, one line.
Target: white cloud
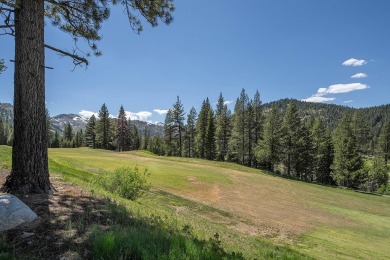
{"points": [[318, 99], [321, 94], [227, 102], [359, 76], [342, 88], [160, 111], [348, 101], [354, 62], [87, 114], [141, 116]]}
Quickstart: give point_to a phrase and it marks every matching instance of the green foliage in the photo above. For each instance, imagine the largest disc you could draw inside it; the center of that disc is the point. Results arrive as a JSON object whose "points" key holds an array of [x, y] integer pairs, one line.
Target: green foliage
{"points": [[190, 133], [103, 133], [122, 131], [348, 163], [2, 66], [154, 242], [126, 182], [90, 132], [201, 129], [268, 149]]}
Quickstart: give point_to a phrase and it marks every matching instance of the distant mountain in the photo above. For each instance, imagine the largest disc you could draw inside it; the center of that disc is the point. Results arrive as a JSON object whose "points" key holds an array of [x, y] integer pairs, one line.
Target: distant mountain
{"points": [[77, 122], [7, 111], [58, 122]]}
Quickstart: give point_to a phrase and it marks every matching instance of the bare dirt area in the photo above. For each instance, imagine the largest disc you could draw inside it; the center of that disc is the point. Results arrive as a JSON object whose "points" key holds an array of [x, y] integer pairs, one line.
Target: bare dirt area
{"points": [[61, 230]]}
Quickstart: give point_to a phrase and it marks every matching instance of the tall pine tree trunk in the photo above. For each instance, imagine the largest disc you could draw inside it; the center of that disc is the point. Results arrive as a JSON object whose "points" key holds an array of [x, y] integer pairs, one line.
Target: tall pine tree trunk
{"points": [[29, 155]]}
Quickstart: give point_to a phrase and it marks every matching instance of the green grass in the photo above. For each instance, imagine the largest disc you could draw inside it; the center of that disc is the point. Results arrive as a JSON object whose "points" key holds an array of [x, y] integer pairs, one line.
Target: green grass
{"points": [[256, 213]]}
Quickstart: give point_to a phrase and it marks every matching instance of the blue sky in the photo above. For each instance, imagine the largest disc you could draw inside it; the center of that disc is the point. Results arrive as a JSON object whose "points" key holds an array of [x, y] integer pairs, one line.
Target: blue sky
{"points": [[325, 51]]}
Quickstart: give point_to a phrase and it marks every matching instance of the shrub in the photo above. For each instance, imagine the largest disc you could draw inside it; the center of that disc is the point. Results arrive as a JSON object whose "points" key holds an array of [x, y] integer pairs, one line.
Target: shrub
{"points": [[126, 182]]}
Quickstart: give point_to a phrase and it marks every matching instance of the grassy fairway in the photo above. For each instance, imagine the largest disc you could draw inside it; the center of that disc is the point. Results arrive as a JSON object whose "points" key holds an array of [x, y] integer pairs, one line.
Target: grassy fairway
{"points": [[248, 208]]}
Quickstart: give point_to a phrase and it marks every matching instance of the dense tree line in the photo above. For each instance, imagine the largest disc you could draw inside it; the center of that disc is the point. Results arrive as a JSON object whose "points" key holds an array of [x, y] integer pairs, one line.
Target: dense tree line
{"points": [[335, 146]]}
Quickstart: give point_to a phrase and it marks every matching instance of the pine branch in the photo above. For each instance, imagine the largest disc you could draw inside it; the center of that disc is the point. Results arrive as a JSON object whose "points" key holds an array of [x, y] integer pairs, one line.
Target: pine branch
{"points": [[78, 60], [6, 26], [4, 2]]}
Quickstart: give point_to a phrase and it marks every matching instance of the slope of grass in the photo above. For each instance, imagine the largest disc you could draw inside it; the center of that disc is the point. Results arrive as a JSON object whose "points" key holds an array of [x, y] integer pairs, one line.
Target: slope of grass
{"points": [[256, 213]]}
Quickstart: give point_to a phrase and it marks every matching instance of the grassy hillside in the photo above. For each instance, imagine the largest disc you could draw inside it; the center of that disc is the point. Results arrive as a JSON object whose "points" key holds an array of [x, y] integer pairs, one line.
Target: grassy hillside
{"points": [[253, 212]]}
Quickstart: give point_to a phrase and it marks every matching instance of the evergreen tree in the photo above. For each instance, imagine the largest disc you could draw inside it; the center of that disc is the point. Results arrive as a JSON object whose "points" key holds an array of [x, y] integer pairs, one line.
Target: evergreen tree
{"points": [[257, 119], [3, 139], [378, 175], [169, 133], [201, 129], [56, 140], [210, 136], [136, 139], [178, 122], [303, 162], [191, 132], [122, 131], [103, 128], [290, 137], [146, 139], [90, 132], [48, 128], [26, 20], [239, 139], [223, 133], [323, 152], [269, 147], [68, 132], [361, 131], [383, 146], [348, 163]]}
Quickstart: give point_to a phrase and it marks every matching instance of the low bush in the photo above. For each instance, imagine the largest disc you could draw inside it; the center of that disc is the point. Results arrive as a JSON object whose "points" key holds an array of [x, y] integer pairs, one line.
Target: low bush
{"points": [[125, 182]]}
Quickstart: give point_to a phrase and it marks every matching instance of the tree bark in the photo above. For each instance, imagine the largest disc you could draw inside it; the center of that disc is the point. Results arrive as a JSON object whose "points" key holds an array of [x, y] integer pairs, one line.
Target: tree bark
{"points": [[30, 172]]}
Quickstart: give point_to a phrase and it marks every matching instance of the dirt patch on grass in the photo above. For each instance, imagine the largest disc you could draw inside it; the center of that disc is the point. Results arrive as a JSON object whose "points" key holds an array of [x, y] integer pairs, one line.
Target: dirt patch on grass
{"points": [[63, 226]]}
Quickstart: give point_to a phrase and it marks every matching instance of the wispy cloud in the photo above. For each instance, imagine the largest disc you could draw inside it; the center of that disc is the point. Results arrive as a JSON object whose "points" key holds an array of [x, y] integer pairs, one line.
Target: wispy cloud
{"points": [[321, 94], [160, 111], [141, 116], [354, 62], [87, 114], [318, 99], [341, 88], [359, 76], [227, 102], [348, 101]]}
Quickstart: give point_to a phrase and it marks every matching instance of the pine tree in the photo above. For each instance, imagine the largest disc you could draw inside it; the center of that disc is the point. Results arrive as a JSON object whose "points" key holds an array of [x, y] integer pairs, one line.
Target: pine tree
{"points": [[169, 133], [56, 140], [3, 139], [210, 136], [68, 132], [146, 139], [191, 132], [269, 147], [178, 123], [201, 129], [383, 146], [136, 139], [348, 163], [90, 132], [303, 164], [323, 152], [361, 131], [122, 131], [103, 128], [378, 174], [290, 137], [81, 19], [257, 125], [48, 128], [223, 133], [239, 139]]}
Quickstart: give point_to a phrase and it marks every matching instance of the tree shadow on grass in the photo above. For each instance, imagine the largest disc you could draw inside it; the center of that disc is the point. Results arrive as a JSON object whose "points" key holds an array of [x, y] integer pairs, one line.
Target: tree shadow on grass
{"points": [[76, 225]]}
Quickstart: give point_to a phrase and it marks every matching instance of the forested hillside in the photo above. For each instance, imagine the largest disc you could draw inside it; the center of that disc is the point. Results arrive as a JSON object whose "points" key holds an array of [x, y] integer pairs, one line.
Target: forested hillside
{"points": [[315, 142]]}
